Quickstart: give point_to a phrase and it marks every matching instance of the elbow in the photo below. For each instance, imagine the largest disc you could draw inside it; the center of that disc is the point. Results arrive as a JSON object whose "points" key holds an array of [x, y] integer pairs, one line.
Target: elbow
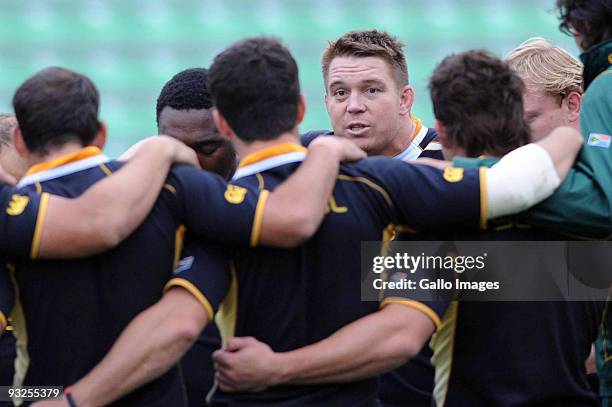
{"points": [[186, 331], [402, 347], [303, 228]]}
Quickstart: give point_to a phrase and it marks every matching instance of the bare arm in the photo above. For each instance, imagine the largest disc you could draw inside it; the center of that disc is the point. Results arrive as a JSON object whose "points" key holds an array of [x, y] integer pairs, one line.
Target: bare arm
{"points": [[296, 208], [152, 343], [111, 209], [367, 347]]}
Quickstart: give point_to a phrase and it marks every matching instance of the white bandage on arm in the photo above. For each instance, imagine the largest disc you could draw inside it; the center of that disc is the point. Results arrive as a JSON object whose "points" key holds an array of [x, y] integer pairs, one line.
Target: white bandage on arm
{"points": [[521, 179]]}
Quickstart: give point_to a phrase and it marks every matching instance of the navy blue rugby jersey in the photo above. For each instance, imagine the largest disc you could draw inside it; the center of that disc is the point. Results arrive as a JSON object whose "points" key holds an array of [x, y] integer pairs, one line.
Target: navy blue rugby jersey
{"points": [[503, 353], [70, 312], [19, 212], [424, 142], [292, 298]]}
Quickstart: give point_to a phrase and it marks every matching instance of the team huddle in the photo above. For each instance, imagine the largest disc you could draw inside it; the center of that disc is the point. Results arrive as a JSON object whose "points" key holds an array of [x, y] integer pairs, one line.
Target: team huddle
{"points": [[219, 262]]}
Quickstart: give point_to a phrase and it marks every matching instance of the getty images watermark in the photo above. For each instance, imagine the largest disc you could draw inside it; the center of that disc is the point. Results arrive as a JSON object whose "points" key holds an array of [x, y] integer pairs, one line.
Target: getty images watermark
{"points": [[486, 271]]}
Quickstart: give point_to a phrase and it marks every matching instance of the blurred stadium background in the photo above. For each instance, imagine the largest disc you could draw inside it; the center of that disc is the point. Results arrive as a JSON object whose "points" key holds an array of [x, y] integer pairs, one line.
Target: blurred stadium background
{"points": [[130, 48]]}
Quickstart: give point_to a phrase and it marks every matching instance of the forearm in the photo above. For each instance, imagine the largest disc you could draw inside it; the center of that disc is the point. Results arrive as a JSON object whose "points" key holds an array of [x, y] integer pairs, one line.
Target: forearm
{"points": [[150, 345], [530, 174], [367, 347], [295, 209], [110, 210]]}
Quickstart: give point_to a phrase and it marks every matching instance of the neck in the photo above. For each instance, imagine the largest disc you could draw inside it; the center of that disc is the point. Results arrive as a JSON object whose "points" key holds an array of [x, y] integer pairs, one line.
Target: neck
{"points": [[405, 135], [243, 149], [67, 148]]}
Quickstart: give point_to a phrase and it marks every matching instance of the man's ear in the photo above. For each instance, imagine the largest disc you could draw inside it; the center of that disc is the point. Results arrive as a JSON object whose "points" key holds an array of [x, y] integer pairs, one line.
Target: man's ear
{"points": [[574, 105], [406, 99], [222, 125], [19, 143], [100, 139], [442, 134], [301, 109]]}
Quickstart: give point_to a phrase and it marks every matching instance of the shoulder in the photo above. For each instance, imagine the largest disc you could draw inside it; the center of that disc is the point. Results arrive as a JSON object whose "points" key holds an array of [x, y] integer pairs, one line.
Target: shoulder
{"points": [[309, 136]]}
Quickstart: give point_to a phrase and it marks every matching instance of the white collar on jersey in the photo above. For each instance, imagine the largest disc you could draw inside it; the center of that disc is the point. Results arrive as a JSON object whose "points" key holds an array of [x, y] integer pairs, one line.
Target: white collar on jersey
{"points": [[413, 151], [276, 161], [62, 170]]}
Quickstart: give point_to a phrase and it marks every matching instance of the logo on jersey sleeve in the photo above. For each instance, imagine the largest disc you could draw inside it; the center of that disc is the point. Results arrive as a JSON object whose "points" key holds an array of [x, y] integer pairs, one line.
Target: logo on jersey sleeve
{"points": [[599, 140], [17, 205], [235, 194], [183, 265], [452, 174]]}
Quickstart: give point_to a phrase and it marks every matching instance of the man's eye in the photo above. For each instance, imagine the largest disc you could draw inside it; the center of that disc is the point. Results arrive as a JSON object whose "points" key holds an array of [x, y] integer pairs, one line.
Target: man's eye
{"points": [[340, 93], [206, 149], [373, 90]]}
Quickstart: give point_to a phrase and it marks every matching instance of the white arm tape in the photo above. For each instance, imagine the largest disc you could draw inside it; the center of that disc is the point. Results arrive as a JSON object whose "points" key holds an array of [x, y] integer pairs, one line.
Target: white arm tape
{"points": [[521, 179]]}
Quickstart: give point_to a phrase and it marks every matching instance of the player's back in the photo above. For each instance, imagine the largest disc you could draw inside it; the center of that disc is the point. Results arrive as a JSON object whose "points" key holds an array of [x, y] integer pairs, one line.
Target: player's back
{"points": [[508, 353], [70, 312], [292, 298]]}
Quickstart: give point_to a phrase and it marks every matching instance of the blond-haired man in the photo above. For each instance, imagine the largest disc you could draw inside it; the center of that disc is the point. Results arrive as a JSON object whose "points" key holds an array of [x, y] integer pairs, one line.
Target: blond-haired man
{"points": [[553, 82]]}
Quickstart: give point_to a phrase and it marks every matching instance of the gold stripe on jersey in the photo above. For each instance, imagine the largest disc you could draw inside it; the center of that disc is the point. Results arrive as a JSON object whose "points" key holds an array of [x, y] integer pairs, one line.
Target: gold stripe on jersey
{"points": [[369, 183], [179, 239], [443, 346], [484, 211], [260, 181], [413, 304], [258, 220], [193, 290], [40, 220], [83, 153], [3, 322], [270, 152], [22, 362], [105, 169], [228, 310]]}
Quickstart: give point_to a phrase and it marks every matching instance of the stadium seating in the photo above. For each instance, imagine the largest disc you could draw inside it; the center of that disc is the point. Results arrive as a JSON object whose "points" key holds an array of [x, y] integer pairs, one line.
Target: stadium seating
{"points": [[130, 48]]}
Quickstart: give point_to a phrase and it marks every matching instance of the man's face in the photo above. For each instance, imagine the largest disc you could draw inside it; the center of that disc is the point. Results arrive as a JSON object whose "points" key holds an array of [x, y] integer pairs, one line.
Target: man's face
{"points": [[364, 102], [544, 112], [197, 130]]}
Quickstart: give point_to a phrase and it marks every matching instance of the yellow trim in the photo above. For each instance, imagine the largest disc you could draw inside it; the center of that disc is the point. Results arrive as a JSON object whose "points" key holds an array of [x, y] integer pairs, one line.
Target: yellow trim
{"points": [[170, 188], [418, 124], [179, 239], [40, 221], [369, 183], [271, 151], [3, 321], [260, 180], [22, 362], [38, 187], [484, 211], [258, 220], [193, 290], [83, 153], [443, 346], [228, 310], [106, 170], [413, 304]]}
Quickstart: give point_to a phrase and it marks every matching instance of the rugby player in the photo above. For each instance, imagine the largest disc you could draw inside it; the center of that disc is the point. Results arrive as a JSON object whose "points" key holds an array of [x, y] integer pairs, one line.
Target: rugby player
{"points": [[369, 98], [10, 160], [60, 135], [184, 111], [296, 297], [553, 85], [590, 23], [556, 377]]}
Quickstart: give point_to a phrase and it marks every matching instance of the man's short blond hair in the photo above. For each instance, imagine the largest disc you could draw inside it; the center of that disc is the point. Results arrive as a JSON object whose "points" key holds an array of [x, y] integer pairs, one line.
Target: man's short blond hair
{"points": [[370, 43], [544, 66]]}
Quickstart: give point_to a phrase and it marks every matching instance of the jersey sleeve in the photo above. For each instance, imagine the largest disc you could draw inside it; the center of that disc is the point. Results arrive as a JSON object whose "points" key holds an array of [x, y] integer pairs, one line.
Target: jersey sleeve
{"points": [[204, 271], [22, 215], [7, 296], [215, 210], [419, 295], [428, 199], [580, 206]]}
